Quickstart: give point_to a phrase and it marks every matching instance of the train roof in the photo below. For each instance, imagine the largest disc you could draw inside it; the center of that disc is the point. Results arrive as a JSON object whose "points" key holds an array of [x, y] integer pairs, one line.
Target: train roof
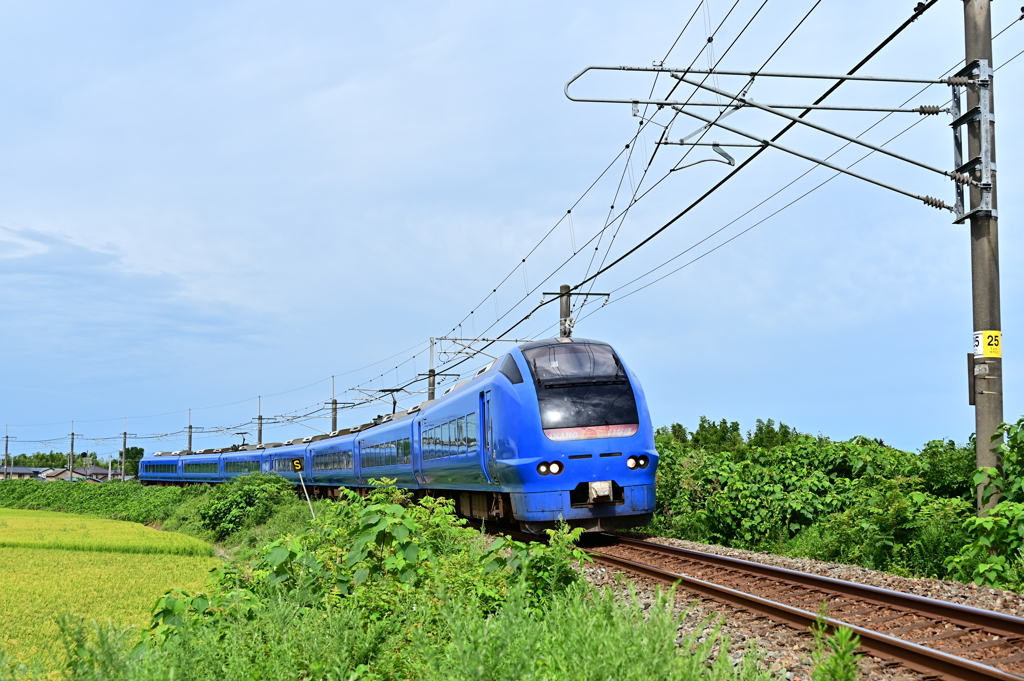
{"points": [[544, 342], [300, 442]]}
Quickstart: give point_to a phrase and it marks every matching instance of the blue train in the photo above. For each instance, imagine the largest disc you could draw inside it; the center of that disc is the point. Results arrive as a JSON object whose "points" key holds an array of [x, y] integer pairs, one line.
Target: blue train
{"points": [[555, 429]]}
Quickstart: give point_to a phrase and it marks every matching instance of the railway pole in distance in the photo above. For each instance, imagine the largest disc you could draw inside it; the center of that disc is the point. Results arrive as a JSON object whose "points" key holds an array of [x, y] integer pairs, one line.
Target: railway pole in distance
{"points": [[334, 408], [565, 320], [431, 373], [71, 454], [987, 376]]}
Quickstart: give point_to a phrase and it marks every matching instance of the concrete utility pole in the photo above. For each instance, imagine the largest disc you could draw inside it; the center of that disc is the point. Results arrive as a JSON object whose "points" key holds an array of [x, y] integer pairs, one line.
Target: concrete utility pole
{"points": [[564, 310], [189, 430], [565, 320], [431, 373], [334, 408], [71, 454], [987, 377], [7, 455], [124, 448], [259, 422]]}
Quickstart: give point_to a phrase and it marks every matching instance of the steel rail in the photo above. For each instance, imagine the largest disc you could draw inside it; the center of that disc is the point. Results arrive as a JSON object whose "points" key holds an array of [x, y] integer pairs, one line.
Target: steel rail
{"points": [[926, 661], [964, 615]]}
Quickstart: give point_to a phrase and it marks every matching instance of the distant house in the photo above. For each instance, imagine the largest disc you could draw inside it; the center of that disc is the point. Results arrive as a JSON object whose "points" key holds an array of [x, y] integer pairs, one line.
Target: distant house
{"points": [[21, 473], [52, 474], [98, 472], [91, 474]]}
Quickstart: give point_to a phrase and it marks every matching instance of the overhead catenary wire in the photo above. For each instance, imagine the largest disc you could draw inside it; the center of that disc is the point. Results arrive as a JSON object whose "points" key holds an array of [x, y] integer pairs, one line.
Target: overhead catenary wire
{"points": [[801, 176], [786, 186], [919, 10], [643, 124], [721, 113]]}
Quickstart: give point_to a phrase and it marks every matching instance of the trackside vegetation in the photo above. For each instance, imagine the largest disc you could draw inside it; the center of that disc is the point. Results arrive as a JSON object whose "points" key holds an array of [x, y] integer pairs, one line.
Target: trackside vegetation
{"points": [[858, 501], [386, 588]]}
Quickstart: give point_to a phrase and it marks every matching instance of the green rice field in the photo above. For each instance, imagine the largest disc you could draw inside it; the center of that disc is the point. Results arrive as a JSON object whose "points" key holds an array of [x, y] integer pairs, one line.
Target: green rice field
{"points": [[45, 529], [56, 563]]}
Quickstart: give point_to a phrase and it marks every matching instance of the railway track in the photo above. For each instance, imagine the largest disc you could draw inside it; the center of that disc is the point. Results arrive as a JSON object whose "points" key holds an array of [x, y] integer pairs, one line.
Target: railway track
{"points": [[933, 638]]}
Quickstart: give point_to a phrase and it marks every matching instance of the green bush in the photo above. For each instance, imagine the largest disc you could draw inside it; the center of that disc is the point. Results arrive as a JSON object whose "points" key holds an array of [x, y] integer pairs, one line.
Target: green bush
{"points": [[858, 502], [995, 552], [130, 500], [246, 501]]}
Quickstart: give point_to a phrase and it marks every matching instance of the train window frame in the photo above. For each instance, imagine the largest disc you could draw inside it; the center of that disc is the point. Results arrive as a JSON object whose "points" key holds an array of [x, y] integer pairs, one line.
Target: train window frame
{"points": [[510, 369], [472, 433]]}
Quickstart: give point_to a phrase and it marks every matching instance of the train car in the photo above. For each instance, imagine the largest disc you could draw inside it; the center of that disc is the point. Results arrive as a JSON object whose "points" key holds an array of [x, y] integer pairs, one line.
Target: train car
{"points": [[556, 429]]}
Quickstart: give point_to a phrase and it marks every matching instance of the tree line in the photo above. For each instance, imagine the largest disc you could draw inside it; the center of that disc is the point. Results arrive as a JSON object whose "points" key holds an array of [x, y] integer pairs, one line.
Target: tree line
{"points": [[54, 459]]}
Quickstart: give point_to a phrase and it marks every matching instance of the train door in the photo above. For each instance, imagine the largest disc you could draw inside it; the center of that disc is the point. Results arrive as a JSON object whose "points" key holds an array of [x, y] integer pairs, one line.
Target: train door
{"points": [[417, 451], [489, 448], [357, 460]]}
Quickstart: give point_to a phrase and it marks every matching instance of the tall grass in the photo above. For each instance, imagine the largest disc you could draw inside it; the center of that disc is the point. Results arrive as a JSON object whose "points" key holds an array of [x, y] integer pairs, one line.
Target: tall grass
{"points": [[580, 635]]}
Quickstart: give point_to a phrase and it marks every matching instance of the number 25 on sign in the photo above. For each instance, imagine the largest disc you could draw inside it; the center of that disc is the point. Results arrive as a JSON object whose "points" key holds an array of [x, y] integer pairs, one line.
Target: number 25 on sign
{"points": [[988, 344]]}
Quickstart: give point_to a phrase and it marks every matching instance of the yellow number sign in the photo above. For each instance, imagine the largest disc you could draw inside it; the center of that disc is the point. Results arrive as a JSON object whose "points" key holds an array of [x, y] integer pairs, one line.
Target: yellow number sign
{"points": [[988, 343], [297, 465]]}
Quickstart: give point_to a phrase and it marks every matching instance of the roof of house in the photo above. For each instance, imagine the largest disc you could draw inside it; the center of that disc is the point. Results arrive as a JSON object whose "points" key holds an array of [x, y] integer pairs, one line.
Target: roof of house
{"points": [[92, 470], [22, 470]]}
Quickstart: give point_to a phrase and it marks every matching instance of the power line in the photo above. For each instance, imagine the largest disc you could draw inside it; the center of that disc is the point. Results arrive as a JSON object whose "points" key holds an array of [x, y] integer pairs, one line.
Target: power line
{"points": [[708, 128], [779, 191], [921, 8]]}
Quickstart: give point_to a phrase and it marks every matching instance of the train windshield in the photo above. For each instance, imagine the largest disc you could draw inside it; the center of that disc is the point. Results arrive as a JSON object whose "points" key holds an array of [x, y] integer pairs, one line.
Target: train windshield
{"points": [[583, 392]]}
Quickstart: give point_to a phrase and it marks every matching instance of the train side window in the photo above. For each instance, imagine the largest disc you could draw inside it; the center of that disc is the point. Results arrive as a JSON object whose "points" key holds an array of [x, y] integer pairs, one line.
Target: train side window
{"points": [[471, 432], [511, 370], [462, 435]]}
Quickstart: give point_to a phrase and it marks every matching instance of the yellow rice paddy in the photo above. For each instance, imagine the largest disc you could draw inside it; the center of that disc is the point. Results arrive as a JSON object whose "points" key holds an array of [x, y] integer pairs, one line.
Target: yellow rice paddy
{"points": [[45, 529], [59, 575]]}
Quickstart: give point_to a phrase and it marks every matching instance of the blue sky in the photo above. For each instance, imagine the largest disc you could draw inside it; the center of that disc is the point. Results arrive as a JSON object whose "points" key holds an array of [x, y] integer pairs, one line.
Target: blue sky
{"points": [[204, 203]]}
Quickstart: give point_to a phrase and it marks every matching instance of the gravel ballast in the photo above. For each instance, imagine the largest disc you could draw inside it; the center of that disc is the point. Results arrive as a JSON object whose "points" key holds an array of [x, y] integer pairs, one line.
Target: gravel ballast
{"points": [[786, 651], [984, 597]]}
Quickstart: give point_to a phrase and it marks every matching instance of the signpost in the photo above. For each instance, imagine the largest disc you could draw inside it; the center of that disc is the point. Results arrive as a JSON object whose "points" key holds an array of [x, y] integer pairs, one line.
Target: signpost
{"points": [[299, 465]]}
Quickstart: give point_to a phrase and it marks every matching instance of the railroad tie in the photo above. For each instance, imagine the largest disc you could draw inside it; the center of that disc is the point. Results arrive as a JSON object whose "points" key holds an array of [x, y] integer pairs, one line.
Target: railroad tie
{"points": [[910, 627]]}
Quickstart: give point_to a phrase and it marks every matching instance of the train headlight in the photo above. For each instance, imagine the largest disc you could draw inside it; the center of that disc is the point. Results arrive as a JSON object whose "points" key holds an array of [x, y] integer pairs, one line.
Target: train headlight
{"points": [[556, 467], [632, 463], [543, 468], [643, 461]]}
